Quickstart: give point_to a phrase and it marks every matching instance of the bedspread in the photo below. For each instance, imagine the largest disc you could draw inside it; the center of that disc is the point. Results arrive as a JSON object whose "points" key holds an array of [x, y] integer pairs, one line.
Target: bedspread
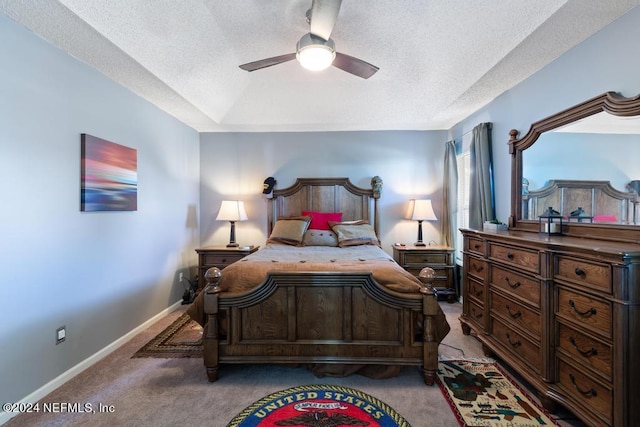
{"points": [[252, 270]]}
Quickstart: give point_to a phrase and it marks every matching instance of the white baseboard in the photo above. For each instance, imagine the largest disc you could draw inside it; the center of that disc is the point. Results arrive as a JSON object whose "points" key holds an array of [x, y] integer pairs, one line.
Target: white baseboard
{"points": [[91, 360]]}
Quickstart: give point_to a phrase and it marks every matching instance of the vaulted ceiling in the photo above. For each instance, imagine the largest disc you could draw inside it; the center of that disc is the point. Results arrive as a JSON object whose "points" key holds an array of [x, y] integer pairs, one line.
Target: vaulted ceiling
{"points": [[439, 60]]}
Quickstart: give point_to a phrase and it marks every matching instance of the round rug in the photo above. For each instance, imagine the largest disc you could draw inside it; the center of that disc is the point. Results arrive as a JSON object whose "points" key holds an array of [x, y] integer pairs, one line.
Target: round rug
{"points": [[319, 405]]}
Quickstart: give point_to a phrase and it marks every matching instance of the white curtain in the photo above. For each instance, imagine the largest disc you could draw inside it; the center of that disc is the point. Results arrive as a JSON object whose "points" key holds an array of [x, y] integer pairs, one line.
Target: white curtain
{"points": [[481, 204]]}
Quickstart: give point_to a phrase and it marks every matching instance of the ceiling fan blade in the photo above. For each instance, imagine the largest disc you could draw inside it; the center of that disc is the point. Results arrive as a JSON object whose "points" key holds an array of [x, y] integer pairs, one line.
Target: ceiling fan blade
{"points": [[324, 14], [268, 62], [355, 66]]}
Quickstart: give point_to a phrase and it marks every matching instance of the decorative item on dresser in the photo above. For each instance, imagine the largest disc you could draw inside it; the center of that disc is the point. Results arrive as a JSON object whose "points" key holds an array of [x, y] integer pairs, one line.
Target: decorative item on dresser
{"points": [[219, 256], [562, 310], [414, 258], [550, 222]]}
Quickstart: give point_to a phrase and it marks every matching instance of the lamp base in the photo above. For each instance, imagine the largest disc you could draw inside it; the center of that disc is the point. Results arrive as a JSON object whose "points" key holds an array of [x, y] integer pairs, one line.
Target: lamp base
{"points": [[419, 242], [232, 236]]}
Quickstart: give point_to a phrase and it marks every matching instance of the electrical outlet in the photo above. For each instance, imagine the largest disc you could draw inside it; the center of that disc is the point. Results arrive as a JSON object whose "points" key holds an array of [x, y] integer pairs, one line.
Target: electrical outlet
{"points": [[181, 276], [61, 334]]}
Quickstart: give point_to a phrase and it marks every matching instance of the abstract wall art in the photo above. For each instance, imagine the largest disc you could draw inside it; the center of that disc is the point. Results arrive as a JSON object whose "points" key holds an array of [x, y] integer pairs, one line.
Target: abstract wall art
{"points": [[109, 176]]}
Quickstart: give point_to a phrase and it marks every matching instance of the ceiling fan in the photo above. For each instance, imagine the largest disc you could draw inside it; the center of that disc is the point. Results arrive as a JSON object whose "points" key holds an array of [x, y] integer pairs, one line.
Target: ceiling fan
{"points": [[316, 50]]}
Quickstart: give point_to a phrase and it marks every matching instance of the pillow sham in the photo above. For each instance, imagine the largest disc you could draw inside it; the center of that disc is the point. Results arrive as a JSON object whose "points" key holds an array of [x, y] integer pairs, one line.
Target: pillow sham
{"points": [[290, 230], [320, 220], [353, 233], [605, 218], [320, 238]]}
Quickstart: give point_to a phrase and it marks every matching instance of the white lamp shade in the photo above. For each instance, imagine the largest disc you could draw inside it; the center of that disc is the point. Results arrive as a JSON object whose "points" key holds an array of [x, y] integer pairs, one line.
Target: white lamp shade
{"points": [[232, 210], [422, 210]]}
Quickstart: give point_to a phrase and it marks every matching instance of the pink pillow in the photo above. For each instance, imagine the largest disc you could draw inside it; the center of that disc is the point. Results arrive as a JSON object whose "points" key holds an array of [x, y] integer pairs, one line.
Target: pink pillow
{"points": [[605, 218], [320, 220]]}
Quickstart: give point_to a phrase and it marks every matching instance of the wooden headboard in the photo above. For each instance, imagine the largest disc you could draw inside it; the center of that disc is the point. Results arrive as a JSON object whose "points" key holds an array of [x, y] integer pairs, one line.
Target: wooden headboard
{"points": [[597, 198], [327, 195]]}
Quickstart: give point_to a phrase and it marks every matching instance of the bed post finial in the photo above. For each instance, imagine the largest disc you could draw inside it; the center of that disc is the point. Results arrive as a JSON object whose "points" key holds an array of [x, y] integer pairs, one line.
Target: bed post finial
{"points": [[376, 188], [376, 185], [213, 276]]}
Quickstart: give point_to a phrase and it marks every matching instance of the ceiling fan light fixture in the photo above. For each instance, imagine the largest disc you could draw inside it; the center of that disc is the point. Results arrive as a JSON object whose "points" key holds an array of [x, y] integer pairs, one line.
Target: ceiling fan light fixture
{"points": [[314, 53]]}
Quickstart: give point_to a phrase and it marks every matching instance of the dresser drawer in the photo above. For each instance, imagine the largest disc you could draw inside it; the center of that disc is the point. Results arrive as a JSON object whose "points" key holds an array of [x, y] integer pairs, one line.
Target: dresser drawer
{"points": [[583, 272], [477, 269], [221, 259], [476, 290], [516, 343], [591, 313], [475, 246], [523, 258], [519, 285], [476, 314], [583, 388], [587, 350], [515, 314], [418, 258]]}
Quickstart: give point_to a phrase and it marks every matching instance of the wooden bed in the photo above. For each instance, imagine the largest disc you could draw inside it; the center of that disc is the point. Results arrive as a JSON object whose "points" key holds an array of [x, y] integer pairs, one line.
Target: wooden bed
{"points": [[337, 319], [599, 199]]}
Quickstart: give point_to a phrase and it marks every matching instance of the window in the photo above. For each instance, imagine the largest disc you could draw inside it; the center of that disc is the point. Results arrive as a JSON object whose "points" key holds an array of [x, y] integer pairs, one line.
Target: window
{"points": [[463, 161]]}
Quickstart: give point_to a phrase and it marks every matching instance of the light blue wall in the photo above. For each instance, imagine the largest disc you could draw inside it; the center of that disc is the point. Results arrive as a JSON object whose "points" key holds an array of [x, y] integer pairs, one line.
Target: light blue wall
{"points": [[234, 165], [607, 61], [100, 274]]}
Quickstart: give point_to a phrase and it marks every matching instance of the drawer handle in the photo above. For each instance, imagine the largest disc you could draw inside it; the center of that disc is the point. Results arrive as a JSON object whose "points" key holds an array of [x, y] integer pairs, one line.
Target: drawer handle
{"points": [[514, 315], [477, 315], [477, 269], [509, 255], [585, 353], [476, 246], [478, 292], [425, 260], [514, 344], [580, 272], [512, 285], [591, 392], [590, 312]]}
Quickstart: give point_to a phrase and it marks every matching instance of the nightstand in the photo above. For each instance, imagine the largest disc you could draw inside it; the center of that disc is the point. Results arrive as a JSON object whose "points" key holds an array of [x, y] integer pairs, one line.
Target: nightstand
{"points": [[440, 258], [219, 256]]}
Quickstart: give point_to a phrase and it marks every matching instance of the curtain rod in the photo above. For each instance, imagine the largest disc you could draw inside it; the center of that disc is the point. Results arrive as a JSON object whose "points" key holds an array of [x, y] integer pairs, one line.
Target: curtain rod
{"points": [[489, 125]]}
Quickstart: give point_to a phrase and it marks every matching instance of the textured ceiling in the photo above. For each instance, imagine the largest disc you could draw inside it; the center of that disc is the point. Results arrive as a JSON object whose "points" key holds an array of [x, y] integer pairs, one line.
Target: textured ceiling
{"points": [[439, 60]]}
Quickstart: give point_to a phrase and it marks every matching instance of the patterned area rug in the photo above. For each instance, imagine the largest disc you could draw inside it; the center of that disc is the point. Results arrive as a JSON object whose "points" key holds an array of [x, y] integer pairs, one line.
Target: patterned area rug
{"points": [[183, 338], [481, 394], [319, 405]]}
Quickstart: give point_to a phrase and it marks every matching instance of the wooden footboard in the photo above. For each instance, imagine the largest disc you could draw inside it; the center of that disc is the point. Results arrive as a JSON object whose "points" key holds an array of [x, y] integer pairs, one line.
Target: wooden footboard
{"points": [[322, 317]]}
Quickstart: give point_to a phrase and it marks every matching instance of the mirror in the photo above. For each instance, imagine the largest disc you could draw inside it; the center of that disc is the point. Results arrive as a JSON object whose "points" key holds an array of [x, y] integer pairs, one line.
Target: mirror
{"points": [[589, 153]]}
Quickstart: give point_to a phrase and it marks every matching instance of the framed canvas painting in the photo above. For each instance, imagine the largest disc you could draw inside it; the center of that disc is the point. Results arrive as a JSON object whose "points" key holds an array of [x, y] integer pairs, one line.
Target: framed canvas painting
{"points": [[109, 176]]}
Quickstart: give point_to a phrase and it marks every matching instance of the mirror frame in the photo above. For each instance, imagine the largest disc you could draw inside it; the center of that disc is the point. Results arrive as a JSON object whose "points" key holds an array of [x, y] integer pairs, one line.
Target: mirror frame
{"points": [[611, 102]]}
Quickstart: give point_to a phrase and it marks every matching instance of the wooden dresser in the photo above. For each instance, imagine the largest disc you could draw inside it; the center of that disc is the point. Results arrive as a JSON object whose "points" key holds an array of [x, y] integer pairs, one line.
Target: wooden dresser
{"points": [[564, 313]]}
